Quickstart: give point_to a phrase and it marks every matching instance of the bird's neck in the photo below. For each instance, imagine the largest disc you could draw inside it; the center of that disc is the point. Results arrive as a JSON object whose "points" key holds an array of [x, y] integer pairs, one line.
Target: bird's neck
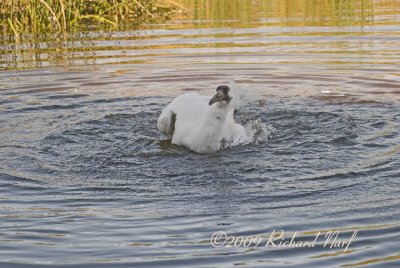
{"points": [[217, 113], [216, 118], [212, 128]]}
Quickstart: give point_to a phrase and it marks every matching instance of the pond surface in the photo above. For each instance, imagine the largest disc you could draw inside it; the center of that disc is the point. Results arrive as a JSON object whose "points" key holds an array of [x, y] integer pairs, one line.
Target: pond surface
{"points": [[87, 180]]}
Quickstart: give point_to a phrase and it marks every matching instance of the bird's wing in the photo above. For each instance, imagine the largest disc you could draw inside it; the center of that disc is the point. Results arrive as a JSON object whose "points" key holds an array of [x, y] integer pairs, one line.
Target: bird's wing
{"points": [[187, 106], [166, 122]]}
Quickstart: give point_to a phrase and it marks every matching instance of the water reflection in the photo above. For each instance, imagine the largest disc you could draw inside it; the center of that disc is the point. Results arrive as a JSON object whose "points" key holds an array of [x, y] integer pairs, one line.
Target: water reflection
{"points": [[285, 13], [295, 12]]}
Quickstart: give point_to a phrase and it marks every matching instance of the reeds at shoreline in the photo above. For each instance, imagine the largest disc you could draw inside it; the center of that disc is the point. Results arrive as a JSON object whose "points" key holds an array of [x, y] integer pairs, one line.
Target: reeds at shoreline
{"points": [[19, 17]]}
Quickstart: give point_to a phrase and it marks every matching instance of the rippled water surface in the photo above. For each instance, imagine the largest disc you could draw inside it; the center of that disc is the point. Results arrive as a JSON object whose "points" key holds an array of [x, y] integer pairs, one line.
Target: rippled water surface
{"points": [[86, 179]]}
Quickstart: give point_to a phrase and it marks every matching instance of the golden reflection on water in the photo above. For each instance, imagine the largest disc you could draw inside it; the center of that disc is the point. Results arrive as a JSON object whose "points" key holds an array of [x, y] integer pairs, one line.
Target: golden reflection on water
{"points": [[292, 12], [374, 260]]}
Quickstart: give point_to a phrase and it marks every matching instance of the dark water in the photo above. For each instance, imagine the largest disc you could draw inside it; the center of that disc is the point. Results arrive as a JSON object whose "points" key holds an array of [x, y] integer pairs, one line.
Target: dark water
{"points": [[87, 180]]}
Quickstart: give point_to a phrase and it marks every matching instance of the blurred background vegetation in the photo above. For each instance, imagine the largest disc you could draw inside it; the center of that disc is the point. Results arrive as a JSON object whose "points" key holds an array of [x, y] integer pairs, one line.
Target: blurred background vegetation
{"points": [[21, 19]]}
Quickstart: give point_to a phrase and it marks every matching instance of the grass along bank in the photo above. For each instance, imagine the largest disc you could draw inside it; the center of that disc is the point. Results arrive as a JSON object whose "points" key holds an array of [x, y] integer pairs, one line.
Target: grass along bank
{"points": [[27, 17]]}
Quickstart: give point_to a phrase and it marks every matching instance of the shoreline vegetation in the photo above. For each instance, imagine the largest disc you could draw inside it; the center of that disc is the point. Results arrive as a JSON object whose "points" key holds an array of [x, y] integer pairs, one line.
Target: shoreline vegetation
{"points": [[26, 20], [19, 18], [39, 33]]}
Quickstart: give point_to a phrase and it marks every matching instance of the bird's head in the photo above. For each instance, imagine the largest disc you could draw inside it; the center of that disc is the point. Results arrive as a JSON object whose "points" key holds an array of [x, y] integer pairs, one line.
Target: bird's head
{"points": [[224, 94]]}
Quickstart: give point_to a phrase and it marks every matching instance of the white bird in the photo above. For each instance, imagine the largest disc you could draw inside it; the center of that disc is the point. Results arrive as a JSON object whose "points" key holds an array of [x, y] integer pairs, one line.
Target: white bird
{"points": [[201, 123]]}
